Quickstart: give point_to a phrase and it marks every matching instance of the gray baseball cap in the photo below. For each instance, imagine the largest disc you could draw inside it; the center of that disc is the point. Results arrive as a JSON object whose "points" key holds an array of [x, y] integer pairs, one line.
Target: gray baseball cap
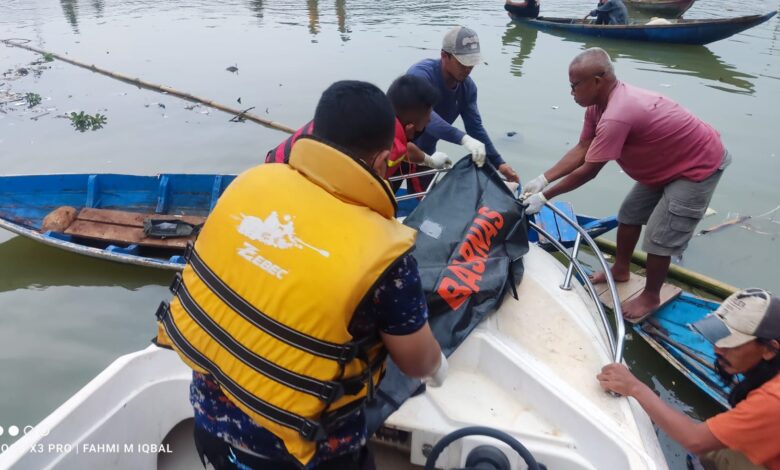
{"points": [[463, 43], [741, 318]]}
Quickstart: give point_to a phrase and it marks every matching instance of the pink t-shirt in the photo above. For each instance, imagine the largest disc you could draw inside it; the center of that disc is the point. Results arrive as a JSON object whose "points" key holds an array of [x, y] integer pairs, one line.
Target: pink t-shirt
{"points": [[652, 138]]}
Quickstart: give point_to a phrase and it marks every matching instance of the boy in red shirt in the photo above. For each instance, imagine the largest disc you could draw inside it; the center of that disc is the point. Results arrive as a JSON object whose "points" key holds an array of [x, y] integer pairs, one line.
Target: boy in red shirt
{"points": [[413, 99]]}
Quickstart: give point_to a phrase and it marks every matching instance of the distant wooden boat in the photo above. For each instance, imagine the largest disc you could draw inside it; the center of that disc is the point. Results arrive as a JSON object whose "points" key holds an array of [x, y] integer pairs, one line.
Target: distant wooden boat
{"points": [[662, 8], [680, 31]]}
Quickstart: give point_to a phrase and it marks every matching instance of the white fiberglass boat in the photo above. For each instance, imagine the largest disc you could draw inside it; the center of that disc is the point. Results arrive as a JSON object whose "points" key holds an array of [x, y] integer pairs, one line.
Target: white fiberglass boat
{"points": [[529, 370]]}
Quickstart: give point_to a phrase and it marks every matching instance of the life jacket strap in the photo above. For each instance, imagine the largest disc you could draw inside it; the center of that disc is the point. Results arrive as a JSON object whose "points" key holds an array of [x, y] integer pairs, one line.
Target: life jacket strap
{"points": [[308, 429], [343, 353], [188, 251]]}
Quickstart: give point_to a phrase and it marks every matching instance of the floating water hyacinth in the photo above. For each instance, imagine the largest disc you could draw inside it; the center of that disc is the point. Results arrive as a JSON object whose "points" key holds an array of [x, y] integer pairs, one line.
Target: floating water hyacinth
{"points": [[84, 122]]}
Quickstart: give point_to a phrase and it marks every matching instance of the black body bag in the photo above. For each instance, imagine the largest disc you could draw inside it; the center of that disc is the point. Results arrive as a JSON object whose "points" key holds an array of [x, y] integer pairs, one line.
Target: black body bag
{"points": [[472, 234]]}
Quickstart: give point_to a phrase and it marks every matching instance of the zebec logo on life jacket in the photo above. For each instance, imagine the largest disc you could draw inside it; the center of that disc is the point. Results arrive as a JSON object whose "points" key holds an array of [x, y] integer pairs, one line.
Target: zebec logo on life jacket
{"points": [[464, 273]]}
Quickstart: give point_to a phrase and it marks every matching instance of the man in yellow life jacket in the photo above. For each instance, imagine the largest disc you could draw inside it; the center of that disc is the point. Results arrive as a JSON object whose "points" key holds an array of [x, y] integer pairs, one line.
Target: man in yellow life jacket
{"points": [[299, 285]]}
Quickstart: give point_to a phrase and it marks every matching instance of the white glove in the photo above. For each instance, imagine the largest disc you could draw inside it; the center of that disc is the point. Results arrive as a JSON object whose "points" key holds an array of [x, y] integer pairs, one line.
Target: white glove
{"points": [[438, 160], [476, 148], [534, 203], [438, 376], [535, 185]]}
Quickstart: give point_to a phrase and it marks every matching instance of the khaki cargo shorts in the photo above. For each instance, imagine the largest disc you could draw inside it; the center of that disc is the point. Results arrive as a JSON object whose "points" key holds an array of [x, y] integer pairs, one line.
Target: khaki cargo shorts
{"points": [[670, 212]]}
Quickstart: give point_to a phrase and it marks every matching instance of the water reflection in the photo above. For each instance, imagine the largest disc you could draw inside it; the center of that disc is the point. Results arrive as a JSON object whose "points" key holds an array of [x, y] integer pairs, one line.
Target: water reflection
{"points": [[341, 17], [257, 8], [71, 10], [696, 61], [525, 39], [31, 265], [98, 5], [314, 16]]}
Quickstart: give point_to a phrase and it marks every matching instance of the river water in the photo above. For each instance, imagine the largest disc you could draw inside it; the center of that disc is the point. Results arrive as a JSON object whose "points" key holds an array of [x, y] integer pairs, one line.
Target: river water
{"points": [[63, 318]]}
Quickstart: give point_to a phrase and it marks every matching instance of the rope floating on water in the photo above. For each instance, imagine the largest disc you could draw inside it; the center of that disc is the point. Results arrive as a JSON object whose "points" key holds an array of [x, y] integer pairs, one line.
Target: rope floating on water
{"points": [[21, 43]]}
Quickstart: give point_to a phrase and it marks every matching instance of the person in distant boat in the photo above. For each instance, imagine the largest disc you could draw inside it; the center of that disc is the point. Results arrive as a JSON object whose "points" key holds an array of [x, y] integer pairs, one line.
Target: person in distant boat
{"points": [[298, 287], [460, 53], [675, 158], [525, 9], [412, 99], [745, 331], [610, 12]]}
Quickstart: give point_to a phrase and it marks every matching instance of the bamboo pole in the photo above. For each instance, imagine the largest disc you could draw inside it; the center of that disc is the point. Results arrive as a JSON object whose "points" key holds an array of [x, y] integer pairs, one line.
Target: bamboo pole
{"points": [[713, 286], [159, 88]]}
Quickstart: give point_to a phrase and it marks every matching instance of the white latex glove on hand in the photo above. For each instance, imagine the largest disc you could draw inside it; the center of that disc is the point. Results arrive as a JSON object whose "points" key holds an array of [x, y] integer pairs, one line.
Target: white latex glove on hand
{"points": [[437, 161], [534, 203], [535, 185], [438, 376], [476, 148]]}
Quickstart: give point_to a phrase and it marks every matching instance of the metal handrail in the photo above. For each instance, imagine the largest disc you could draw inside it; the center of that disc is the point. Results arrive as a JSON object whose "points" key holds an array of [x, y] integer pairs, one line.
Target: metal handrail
{"points": [[588, 284], [617, 342], [419, 173], [414, 175]]}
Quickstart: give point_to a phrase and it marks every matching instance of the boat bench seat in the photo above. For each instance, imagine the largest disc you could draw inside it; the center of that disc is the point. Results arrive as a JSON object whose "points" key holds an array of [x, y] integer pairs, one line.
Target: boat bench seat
{"points": [[124, 227]]}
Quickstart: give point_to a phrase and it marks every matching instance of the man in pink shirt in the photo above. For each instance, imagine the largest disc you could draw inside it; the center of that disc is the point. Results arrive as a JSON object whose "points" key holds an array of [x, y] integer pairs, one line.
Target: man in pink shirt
{"points": [[675, 158]]}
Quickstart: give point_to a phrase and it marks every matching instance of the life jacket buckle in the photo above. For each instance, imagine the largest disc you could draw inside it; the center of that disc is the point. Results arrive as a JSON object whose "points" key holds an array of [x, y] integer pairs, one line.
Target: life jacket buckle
{"points": [[162, 311], [176, 284], [349, 353], [188, 251], [312, 431], [331, 392]]}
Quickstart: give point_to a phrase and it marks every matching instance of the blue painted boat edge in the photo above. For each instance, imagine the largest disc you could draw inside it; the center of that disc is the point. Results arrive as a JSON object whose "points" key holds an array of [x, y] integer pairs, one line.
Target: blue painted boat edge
{"points": [[671, 359], [90, 251]]}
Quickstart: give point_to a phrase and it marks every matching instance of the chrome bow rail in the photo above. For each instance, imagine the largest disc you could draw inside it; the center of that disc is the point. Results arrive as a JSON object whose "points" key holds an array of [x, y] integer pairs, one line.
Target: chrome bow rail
{"points": [[415, 175], [616, 338]]}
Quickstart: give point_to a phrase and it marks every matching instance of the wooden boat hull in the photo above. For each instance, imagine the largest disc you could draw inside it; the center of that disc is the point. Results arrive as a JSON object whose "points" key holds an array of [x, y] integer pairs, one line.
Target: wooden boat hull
{"points": [[697, 32], [662, 8]]}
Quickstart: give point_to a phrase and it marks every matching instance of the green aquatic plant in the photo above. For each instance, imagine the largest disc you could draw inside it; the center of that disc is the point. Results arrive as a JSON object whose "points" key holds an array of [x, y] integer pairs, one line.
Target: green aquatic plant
{"points": [[84, 122], [32, 99]]}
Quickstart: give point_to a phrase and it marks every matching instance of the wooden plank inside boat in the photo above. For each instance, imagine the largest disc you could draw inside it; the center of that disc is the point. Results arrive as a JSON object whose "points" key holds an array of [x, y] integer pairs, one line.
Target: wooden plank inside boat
{"points": [[633, 287], [123, 227]]}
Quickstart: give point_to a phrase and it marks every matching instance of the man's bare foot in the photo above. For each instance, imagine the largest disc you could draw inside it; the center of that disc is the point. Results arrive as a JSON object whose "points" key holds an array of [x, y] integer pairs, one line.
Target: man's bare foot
{"points": [[617, 274], [641, 305]]}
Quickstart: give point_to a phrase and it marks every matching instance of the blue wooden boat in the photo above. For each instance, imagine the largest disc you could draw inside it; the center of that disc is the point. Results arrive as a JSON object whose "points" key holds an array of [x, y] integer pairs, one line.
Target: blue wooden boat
{"points": [[668, 331], [26, 200], [681, 31]]}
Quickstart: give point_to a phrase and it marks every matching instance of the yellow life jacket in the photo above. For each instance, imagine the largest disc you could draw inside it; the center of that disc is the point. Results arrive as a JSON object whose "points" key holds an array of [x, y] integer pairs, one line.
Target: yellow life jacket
{"points": [[266, 298]]}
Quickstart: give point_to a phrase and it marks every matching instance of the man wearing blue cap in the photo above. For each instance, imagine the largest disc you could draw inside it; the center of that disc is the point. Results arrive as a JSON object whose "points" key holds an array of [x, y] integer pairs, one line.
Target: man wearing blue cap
{"points": [[460, 53]]}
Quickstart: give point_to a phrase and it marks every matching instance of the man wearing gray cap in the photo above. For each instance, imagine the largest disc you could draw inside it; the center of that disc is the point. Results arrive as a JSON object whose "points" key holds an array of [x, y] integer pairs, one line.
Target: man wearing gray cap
{"points": [[450, 75], [745, 332]]}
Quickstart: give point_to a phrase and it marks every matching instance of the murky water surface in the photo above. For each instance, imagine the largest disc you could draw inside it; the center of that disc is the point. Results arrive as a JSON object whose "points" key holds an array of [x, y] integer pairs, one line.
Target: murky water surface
{"points": [[63, 317]]}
